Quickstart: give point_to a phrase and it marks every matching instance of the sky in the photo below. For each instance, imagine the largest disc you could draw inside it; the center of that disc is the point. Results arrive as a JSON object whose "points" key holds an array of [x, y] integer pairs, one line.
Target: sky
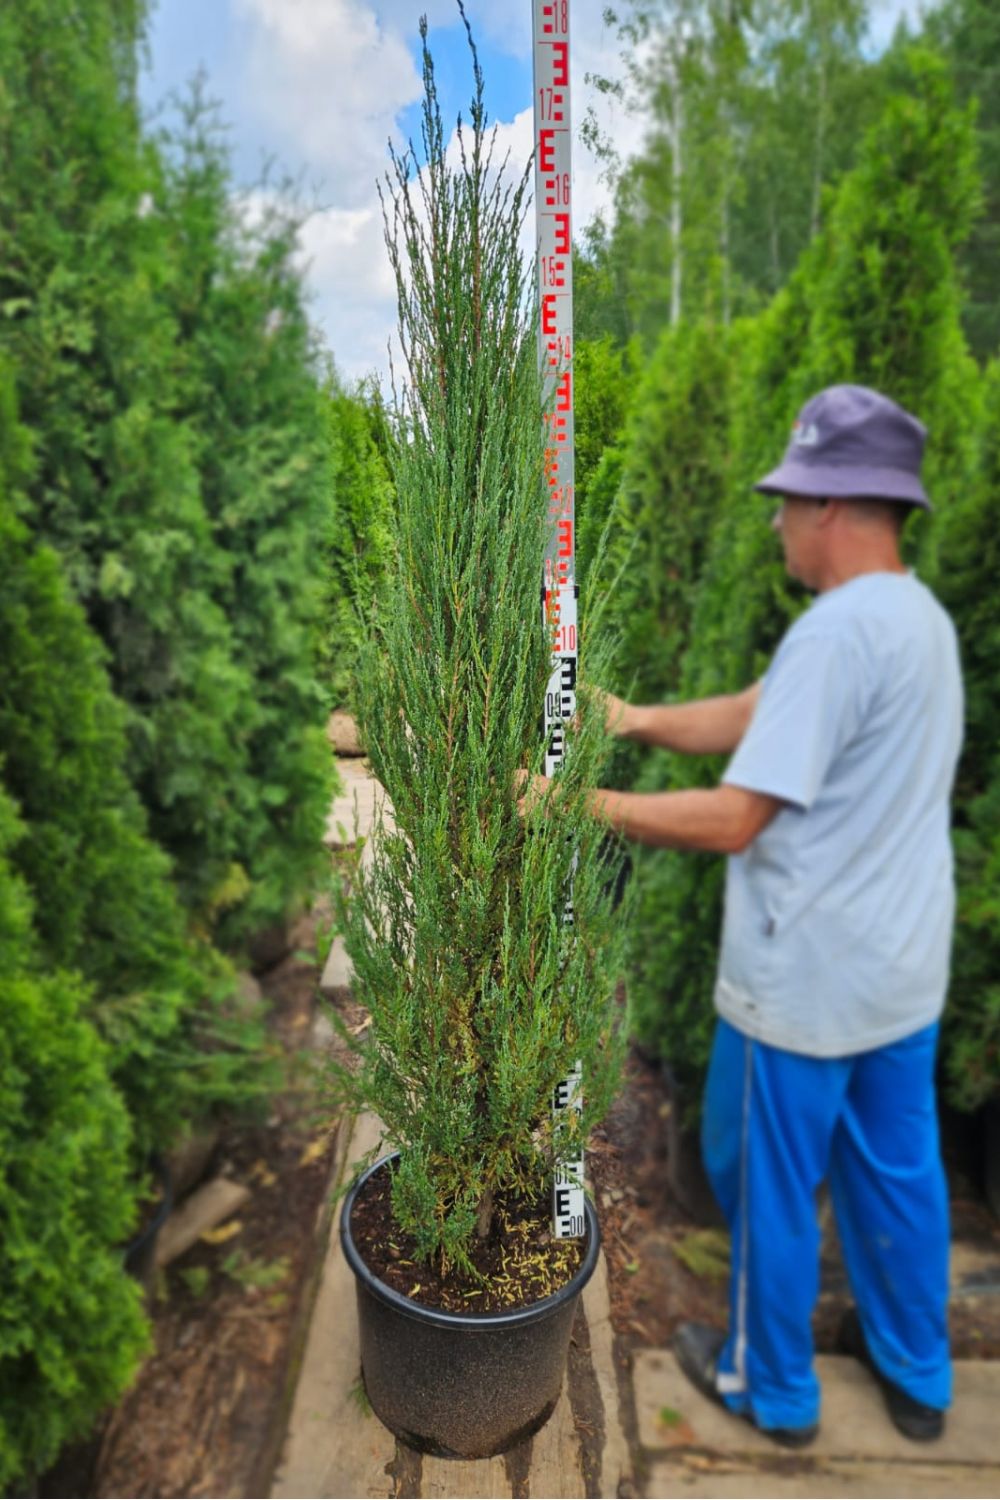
{"points": [[318, 87]]}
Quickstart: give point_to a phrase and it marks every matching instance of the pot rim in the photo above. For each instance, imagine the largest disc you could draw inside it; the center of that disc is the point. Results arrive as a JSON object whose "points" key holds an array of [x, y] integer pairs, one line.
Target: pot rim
{"points": [[464, 1322]]}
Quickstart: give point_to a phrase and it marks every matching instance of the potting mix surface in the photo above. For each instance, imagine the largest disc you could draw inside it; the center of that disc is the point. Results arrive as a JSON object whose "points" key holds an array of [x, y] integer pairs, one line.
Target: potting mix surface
{"points": [[519, 1263]]}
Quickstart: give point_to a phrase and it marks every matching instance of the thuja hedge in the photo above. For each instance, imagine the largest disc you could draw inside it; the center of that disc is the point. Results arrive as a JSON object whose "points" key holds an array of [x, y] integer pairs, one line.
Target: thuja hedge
{"points": [[873, 300], [168, 381], [356, 536], [71, 1328], [968, 557], [104, 902]]}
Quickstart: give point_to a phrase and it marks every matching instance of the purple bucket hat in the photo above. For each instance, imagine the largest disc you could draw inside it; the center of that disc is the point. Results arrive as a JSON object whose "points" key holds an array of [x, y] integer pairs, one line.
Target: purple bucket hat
{"points": [[852, 443]]}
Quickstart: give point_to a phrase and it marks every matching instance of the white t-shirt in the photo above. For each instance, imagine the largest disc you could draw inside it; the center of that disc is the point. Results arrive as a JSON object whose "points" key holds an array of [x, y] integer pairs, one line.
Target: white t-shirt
{"points": [[838, 918]]}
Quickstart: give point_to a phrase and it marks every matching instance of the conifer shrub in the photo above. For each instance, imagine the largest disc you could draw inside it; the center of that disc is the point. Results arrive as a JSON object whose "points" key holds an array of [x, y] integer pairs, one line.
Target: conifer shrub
{"points": [[71, 1326], [104, 902], [605, 378], [356, 537], [251, 396], [481, 997], [672, 484], [875, 301], [968, 556]]}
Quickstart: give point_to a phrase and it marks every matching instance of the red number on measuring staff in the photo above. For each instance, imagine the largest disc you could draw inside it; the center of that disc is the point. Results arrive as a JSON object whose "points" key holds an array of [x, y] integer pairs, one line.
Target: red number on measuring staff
{"points": [[550, 105], [553, 270], [565, 638], [561, 188], [559, 12]]}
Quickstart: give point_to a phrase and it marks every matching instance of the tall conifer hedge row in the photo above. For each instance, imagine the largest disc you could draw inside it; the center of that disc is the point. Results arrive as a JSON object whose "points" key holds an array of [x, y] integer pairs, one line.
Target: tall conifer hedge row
{"points": [[968, 557], [356, 537], [874, 300], [104, 902], [165, 373]]}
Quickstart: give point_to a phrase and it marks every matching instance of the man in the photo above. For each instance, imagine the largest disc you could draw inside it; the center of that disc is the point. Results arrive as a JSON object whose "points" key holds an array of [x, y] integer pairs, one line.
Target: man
{"points": [[834, 811]]}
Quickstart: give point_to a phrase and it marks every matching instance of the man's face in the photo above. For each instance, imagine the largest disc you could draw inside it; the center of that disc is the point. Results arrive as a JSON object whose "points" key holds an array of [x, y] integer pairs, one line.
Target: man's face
{"points": [[797, 522]]}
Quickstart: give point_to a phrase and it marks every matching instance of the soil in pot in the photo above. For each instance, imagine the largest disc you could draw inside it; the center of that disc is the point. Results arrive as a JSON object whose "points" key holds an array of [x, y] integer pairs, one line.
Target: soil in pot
{"points": [[517, 1265], [475, 1381]]}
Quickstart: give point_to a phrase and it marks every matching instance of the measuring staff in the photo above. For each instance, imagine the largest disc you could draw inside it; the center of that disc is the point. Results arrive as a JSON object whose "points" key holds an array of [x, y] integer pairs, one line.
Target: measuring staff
{"points": [[553, 212]]}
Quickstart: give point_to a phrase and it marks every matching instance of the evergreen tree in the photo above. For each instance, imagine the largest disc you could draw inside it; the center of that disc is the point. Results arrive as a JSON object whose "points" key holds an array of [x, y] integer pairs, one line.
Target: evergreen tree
{"points": [[672, 483], [968, 32], [604, 383], [72, 1329], [104, 902], [965, 580], [252, 399], [480, 998], [357, 538], [164, 371]]}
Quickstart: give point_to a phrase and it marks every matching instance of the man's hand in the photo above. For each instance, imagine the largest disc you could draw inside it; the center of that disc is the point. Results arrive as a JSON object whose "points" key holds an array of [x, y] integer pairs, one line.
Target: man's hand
{"points": [[617, 713], [531, 790]]}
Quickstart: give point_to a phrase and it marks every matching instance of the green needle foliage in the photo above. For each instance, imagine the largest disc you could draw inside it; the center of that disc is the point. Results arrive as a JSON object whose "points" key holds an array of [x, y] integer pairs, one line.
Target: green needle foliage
{"points": [[481, 996]]}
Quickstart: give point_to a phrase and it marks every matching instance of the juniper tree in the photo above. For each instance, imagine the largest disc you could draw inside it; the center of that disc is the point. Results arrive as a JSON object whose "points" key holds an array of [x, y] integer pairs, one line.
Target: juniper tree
{"points": [[481, 997]]}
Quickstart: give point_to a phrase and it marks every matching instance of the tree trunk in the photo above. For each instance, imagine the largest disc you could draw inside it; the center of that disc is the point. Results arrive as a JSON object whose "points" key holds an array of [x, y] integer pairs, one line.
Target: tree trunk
{"points": [[819, 146], [676, 205], [484, 1218]]}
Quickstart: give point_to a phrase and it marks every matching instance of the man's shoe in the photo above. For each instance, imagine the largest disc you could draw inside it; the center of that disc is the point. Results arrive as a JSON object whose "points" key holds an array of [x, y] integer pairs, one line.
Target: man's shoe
{"points": [[697, 1347], [920, 1423]]}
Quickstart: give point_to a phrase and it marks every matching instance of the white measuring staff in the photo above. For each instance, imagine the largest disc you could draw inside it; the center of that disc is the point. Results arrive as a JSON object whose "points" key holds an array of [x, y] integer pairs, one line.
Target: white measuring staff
{"points": [[553, 216]]}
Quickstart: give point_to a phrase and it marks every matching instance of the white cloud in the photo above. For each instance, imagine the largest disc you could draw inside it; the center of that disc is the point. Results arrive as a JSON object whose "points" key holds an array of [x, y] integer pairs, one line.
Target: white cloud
{"points": [[329, 79]]}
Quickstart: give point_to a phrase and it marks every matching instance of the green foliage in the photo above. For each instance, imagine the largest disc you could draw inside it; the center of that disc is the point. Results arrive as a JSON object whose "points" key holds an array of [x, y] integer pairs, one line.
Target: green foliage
{"points": [[71, 1329], [672, 483], [165, 375], [874, 300], [752, 110], [481, 998], [259, 422], [968, 32], [966, 584], [604, 382], [357, 538], [105, 905]]}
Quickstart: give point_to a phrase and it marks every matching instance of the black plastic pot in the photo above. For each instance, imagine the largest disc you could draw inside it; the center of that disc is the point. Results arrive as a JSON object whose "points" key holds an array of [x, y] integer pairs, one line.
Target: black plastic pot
{"points": [[457, 1385]]}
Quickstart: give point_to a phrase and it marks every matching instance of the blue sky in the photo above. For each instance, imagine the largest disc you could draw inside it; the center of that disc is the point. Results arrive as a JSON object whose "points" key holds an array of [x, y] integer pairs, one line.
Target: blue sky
{"points": [[317, 86]]}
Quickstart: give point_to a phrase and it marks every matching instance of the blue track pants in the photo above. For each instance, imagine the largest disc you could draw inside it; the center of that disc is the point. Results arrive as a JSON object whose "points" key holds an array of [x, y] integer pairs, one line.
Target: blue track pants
{"points": [[776, 1124]]}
